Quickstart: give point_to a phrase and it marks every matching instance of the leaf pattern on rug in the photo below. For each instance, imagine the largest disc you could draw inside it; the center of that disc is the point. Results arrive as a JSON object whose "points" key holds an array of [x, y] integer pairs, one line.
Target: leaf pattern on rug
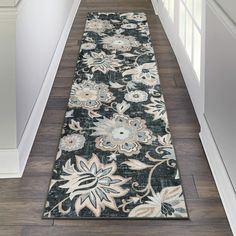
{"points": [[115, 156]]}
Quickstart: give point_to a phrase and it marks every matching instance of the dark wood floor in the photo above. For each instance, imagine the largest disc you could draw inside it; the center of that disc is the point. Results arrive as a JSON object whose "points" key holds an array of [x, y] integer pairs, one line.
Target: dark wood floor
{"points": [[22, 200]]}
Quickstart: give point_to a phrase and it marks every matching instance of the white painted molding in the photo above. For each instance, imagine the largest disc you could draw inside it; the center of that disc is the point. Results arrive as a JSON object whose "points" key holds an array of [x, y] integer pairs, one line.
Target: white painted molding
{"points": [[15, 165], [155, 6], [225, 19], [225, 188]]}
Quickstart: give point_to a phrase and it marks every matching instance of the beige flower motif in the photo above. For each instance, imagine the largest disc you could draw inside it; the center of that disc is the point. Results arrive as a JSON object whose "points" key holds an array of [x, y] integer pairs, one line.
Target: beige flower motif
{"points": [[93, 184], [146, 74], [101, 62], [89, 95], [120, 42], [72, 142], [98, 25], [169, 203], [122, 134]]}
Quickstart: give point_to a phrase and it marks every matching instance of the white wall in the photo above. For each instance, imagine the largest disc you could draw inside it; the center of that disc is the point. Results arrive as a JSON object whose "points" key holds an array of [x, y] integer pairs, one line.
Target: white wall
{"points": [[229, 6], [38, 29], [218, 130], [33, 35], [7, 79], [220, 86]]}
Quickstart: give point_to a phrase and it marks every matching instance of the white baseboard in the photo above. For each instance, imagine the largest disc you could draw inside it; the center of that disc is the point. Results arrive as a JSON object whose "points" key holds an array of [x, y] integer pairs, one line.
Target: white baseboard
{"points": [[13, 161], [225, 188], [9, 160], [155, 6]]}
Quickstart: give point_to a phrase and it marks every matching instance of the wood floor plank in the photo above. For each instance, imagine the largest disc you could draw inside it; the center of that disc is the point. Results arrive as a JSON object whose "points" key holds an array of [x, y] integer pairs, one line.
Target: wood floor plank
{"points": [[59, 103], [38, 165], [10, 230], [22, 212], [49, 132], [179, 80], [190, 157], [27, 187], [167, 82], [64, 82], [190, 190], [60, 92], [184, 131], [45, 148], [53, 116], [66, 72], [206, 186], [131, 229]]}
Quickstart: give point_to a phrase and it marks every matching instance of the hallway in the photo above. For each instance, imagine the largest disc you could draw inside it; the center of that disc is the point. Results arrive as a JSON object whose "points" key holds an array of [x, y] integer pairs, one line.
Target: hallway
{"points": [[22, 200]]}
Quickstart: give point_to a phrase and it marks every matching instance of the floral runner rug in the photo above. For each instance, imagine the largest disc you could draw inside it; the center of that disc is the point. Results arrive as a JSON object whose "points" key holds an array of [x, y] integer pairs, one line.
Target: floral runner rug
{"points": [[115, 157]]}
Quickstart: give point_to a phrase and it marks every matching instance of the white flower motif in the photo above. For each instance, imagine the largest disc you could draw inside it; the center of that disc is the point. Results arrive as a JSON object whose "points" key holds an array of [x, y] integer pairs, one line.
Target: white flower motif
{"points": [[129, 26], [88, 46], [168, 203], [144, 28], [72, 142], [93, 184], [101, 62], [122, 134], [136, 96], [136, 16], [146, 74], [89, 95], [157, 108], [98, 25], [120, 42]]}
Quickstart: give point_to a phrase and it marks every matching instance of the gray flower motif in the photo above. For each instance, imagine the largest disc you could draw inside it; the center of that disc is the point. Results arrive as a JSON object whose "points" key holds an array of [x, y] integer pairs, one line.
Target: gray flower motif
{"points": [[122, 134], [93, 184]]}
